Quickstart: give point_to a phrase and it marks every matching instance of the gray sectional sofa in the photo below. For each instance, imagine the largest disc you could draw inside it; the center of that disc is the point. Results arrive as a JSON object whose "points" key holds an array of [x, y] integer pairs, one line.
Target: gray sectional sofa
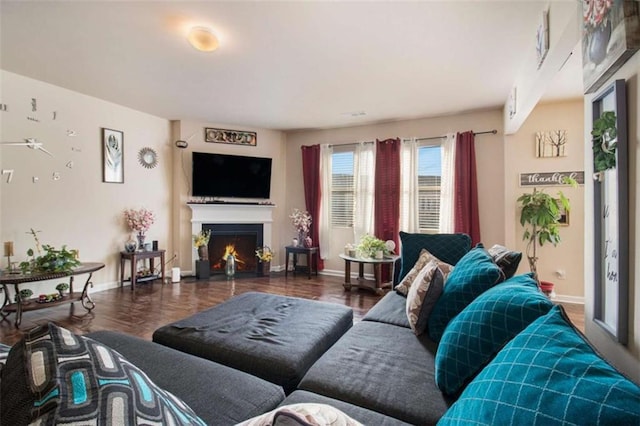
{"points": [[506, 355]]}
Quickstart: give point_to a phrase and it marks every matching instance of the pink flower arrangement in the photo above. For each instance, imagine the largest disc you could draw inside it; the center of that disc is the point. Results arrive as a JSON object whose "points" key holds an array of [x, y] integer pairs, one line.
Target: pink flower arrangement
{"points": [[596, 11], [301, 220], [139, 220]]}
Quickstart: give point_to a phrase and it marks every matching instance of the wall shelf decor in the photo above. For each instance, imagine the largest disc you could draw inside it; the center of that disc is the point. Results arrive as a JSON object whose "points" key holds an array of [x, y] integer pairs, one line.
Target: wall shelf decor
{"points": [[611, 219], [235, 137]]}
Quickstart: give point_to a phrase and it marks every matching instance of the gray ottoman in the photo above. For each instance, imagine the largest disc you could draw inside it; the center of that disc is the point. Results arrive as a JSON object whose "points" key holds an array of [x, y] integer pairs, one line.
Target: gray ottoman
{"points": [[273, 337]]}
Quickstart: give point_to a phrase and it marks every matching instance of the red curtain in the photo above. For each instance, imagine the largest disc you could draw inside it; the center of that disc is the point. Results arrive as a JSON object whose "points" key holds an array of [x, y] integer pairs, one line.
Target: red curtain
{"points": [[312, 191], [466, 216], [387, 193]]}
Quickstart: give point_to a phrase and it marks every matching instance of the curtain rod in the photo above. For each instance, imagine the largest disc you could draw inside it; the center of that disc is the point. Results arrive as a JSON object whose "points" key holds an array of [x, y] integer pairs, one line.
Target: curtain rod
{"points": [[351, 144], [493, 132]]}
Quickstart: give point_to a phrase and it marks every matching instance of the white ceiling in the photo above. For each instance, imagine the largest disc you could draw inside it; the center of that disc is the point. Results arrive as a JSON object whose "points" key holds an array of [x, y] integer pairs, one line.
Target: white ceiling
{"points": [[281, 65]]}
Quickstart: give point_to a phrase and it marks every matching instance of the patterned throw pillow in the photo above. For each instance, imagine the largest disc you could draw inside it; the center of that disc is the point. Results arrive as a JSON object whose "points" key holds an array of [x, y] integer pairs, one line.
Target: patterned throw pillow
{"points": [[423, 295], [306, 414], [448, 248], [477, 333], [410, 278], [473, 274], [507, 260], [55, 377], [547, 375]]}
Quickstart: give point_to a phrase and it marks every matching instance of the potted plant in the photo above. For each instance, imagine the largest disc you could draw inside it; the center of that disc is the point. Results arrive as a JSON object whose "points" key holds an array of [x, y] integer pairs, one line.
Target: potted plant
{"points": [[540, 215], [62, 287], [24, 295], [201, 243], [373, 247], [264, 255]]}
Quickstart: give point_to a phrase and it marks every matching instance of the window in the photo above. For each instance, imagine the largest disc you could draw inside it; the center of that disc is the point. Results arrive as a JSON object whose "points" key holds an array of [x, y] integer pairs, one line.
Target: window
{"points": [[342, 189], [429, 178]]}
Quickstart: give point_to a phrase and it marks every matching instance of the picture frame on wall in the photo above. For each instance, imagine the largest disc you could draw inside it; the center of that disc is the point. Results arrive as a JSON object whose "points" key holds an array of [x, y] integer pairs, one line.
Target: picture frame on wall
{"points": [[610, 36], [611, 211], [112, 156], [542, 38], [234, 137]]}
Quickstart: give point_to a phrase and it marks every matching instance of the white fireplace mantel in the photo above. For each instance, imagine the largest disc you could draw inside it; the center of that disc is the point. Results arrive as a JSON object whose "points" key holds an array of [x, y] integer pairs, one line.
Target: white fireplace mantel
{"points": [[231, 213]]}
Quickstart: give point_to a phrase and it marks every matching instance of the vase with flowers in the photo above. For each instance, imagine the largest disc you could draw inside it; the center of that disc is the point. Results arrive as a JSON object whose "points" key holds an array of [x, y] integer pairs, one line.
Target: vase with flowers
{"points": [[598, 27], [302, 222], [264, 255], [201, 243], [139, 221]]}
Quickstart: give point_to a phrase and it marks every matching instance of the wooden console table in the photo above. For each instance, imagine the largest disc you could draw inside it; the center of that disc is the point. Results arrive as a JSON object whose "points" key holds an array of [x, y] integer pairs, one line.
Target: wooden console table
{"points": [[133, 258], [377, 285], [21, 306]]}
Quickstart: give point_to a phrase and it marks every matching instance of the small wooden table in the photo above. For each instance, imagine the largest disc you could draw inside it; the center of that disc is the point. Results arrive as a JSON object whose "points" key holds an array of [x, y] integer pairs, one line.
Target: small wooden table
{"points": [[377, 286], [31, 305], [133, 258], [312, 259]]}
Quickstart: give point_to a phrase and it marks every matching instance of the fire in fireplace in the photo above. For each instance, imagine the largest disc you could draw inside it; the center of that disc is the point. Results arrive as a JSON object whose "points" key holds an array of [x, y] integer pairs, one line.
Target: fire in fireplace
{"points": [[239, 240]]}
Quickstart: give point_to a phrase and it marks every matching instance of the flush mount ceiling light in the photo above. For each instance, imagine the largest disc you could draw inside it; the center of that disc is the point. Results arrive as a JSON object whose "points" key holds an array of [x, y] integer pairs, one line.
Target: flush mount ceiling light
{"points": [[203, 39]]}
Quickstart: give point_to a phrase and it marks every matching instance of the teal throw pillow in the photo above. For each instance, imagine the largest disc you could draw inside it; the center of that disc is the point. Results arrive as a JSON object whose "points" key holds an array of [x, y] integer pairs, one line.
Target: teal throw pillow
{"points": [[475, 335], [447, 247], [547, 375], [472, 275], [55, 377]]}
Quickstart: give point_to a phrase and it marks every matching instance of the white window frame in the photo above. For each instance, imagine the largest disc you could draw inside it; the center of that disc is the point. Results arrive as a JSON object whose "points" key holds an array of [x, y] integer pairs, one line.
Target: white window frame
{"points": [[343, 223]]}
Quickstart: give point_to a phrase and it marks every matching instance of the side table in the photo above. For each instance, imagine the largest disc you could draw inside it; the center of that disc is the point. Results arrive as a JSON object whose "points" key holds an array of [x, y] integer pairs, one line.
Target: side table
{"points": [[133, 258], [377, 285], [312, 258]]}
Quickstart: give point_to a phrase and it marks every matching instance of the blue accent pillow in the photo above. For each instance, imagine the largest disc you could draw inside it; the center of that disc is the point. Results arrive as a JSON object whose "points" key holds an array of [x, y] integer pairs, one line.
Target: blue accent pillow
{"points": [[547, 375], [472, 275], [55, 377], [475, 335], [447, 247]]}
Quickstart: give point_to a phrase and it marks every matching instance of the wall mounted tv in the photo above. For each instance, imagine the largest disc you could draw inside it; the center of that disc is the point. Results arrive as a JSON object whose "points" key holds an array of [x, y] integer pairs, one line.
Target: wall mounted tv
{"points": [[234, 176]]}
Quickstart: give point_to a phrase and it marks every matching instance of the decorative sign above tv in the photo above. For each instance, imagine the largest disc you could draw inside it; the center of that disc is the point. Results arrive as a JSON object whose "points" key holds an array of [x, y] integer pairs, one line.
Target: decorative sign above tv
{"points": [[235, 137], [233, 176]]}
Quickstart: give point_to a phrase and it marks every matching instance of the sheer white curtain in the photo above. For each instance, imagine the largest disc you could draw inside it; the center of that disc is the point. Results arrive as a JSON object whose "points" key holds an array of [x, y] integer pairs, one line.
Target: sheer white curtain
{"points": [[364, 182], [324, 223], [448, 155], [409, 186]]}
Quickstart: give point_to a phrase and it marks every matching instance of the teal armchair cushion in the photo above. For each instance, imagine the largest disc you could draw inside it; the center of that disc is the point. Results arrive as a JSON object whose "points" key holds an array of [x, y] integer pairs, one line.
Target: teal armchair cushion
{"points": [[547, 375], [475, 335]]}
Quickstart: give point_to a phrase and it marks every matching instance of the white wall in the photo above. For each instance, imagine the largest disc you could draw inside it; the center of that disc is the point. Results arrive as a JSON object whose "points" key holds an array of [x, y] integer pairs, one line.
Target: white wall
{"points": [[520, 158], [78, 210], [626, 358], [489, 157]]}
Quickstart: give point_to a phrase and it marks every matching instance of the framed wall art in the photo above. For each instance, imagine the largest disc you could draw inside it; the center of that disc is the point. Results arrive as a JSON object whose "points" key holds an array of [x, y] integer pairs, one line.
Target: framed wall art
{"points": [[551, 143], [542, 38], [112, 156], [611, 211], [610, 36], [235, 137]]}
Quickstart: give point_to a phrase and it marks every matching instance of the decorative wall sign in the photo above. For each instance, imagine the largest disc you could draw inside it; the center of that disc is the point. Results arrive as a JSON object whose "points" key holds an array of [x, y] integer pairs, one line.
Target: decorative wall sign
{"points": [[552, 143], [550, 178], [112, 156], [610, 36], [236, 137], [542, 38], [611, 222]]}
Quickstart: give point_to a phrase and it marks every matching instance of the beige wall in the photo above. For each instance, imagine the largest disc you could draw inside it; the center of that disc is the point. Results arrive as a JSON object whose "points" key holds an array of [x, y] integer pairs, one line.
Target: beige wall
{"points": [[270, 144], [520, 158], [489, 156], [78, 210], [626, 358]]}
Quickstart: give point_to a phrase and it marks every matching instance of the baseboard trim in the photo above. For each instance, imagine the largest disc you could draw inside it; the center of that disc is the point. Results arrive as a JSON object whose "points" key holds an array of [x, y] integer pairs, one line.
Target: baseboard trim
{"points": [[562, 298], [336, 273]]}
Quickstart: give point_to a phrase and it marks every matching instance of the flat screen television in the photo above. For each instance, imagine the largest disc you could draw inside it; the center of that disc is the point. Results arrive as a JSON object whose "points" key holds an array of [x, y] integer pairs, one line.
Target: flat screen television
{"points": [[234, 176]]}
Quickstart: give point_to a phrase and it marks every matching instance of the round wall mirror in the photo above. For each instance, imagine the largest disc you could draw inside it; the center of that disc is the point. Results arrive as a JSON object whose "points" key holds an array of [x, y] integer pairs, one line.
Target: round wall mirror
{"points": [[148, 158]]}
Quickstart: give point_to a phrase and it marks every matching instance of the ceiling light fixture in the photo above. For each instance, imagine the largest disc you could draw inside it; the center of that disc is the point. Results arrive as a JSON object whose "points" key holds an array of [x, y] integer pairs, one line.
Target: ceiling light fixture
{"points": [[203, 39]]}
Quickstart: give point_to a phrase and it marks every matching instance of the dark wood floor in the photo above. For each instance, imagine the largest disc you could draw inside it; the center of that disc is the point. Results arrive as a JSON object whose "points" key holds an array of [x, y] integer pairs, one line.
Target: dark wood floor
{"points": [[152, 305]]}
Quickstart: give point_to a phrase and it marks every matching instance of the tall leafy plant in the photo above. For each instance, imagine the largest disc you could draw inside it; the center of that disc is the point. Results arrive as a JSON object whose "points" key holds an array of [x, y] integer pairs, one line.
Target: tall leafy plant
{"points": [[540, 216]]}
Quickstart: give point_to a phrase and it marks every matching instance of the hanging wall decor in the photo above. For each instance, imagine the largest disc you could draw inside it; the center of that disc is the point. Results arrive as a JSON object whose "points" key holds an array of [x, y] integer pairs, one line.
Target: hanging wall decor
{"points": [[112, 156], [610, 36], [542, 38], [611, 212], [148, 158], [551, 143], [235, 137]]}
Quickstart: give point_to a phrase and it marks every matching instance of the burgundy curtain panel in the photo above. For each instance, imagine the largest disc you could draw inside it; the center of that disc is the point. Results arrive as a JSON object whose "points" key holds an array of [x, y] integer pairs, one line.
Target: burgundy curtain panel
{"points": [[386, 208], [312, 191], [466, 216]]}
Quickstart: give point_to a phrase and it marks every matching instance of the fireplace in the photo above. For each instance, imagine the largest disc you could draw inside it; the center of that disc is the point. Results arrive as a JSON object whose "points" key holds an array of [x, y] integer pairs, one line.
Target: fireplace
{"points": [[238, 239]]}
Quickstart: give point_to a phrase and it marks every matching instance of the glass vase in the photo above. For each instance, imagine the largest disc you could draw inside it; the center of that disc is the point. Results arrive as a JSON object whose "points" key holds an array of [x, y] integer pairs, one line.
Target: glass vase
{"points": [[140, 236], [230, 267]]}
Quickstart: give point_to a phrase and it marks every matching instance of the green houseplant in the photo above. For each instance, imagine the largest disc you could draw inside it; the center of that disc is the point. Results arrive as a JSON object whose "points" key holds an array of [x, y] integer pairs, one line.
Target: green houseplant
{"points": [[53, 260], [369, 246], [540, 216], [62, 287]]}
